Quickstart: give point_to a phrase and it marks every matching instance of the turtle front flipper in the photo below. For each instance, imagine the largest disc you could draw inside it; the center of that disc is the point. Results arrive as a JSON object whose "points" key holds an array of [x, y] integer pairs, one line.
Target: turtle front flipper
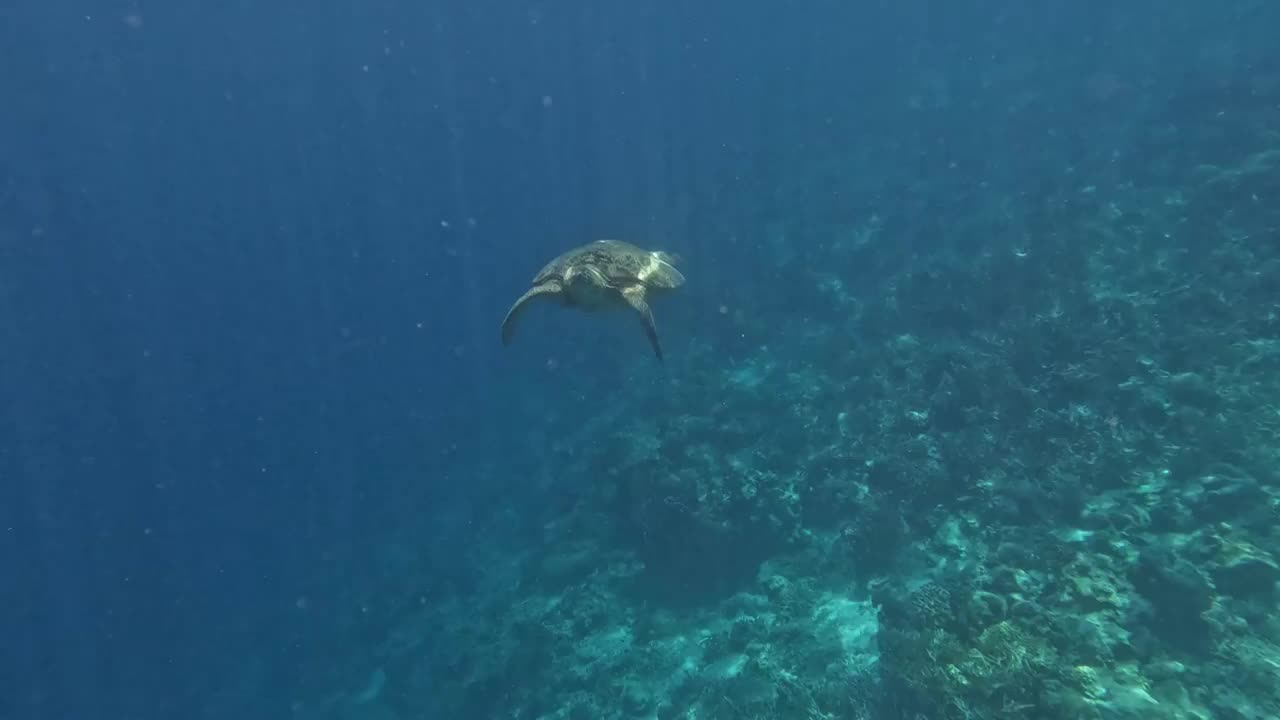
{"points": [[545, 291], [635, 298]]}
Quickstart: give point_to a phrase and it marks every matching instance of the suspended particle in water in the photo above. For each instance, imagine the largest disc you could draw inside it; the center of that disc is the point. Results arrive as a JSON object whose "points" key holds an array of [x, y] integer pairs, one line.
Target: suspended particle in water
{"points": [[133, 20], [546, 101]]}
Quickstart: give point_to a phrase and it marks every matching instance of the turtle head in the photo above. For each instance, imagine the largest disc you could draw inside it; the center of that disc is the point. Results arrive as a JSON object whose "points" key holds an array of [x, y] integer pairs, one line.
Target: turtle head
{"points": [[585, 286], [582, 278]]}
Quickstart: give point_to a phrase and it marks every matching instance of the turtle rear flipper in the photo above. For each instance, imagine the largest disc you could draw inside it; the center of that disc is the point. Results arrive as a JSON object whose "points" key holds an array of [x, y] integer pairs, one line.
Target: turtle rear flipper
{"points": [[544, 291], [634, 296]]}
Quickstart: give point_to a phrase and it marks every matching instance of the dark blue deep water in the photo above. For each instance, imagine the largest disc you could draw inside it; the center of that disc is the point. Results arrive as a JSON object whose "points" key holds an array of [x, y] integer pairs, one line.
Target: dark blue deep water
{"points": [[968, 406]]}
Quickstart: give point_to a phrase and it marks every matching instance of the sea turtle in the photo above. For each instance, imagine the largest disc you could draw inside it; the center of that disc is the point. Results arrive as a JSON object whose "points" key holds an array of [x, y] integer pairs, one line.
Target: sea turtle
{"points": [[602, 274]]}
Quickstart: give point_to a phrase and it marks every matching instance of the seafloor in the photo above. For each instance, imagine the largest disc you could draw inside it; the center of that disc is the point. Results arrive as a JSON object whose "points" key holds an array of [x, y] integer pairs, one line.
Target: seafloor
{"points": [[1030, 470]]}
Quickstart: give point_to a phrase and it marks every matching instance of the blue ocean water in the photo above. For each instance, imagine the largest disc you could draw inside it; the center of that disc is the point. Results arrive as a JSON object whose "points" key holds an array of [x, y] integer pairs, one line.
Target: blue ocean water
{"points": [[966, 409]]}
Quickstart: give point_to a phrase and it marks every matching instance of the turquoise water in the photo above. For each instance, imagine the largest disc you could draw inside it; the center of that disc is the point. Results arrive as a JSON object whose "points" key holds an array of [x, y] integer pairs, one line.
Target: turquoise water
{"points": [[967, 408]]}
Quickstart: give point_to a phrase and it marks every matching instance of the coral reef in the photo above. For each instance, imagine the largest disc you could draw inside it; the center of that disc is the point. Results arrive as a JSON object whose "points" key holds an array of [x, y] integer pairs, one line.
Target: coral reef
{"points": [[1032, 479]]}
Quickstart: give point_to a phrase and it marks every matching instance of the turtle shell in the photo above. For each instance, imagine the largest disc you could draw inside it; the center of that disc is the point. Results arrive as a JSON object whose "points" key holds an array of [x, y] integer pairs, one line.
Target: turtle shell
{"points": [[620, 262]]}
